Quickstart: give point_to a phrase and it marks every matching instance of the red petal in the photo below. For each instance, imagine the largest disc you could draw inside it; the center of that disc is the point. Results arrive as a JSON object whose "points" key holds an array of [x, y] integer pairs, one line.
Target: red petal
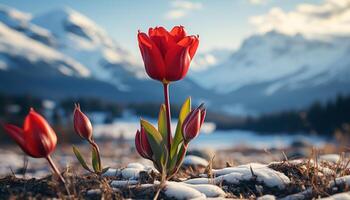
{"points": [[16, 134], [152, 58], [138, 144], [177, 63], [194, 47], [178, 33], [40, 139], [161, 37], [193, 126], [146, 147]]}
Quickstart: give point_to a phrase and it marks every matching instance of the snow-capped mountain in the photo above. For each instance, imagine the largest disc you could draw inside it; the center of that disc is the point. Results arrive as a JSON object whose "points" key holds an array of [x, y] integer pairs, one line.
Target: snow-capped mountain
{"points": [[20, 22], [80, 38], [269, 68], [18, 52]]}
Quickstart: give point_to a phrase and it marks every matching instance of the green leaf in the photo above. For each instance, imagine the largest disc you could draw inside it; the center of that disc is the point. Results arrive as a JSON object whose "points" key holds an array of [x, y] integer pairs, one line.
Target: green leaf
{"points": [[95, 163], [157, 143], [173, 160], [104, 170], [80, 158], [185, 110], [162, 123]]}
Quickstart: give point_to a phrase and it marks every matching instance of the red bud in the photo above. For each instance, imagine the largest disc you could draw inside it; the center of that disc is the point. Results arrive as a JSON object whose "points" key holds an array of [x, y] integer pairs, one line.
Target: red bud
{"points": [[142, 145], [82, 124], [192, 123]]}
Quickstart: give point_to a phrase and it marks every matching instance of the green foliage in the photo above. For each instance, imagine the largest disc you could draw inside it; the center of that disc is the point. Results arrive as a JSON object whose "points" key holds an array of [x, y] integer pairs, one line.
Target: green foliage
{"points": [[95, 161], [167, 160], [80, 158]]}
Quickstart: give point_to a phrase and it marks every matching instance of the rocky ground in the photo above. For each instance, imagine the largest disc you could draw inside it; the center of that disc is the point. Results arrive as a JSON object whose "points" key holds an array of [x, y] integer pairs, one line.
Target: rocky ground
{"points": [[296, 172]]}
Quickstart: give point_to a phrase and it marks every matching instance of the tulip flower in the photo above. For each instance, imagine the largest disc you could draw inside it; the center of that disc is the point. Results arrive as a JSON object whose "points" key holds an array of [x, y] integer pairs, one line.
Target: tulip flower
{"points": [[167, 55], [142, 145], [193, 123], [36, 138], [82, 124]]}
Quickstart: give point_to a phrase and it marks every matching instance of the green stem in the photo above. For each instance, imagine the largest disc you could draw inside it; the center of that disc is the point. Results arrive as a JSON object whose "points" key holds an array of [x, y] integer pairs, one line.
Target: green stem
{"points": [[168, 115], [95, 146]]}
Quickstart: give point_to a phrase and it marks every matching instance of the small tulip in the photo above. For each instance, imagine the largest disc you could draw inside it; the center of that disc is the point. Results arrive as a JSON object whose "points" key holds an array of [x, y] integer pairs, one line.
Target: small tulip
{"points": [[142, 145], [82, 124], [37, 138], [192, 123], [167, 55]]}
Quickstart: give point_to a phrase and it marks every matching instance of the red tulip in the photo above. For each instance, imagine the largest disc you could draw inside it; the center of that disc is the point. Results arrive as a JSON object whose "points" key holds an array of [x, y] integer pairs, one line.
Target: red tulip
{"points": [[142, 145], [167, 55], [82, 124], [37, 138], [192, 123]]}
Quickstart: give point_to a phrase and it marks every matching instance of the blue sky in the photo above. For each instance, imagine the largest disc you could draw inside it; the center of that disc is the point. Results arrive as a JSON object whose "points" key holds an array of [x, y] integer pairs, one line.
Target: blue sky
{"points": [[220, 23]]}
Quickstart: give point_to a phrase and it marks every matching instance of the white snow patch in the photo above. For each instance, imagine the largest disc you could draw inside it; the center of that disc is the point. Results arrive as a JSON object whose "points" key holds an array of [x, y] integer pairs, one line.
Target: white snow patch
{"points": [[181, 191], [267, 197], [208, 190], [131, 173], [196, 181], [123, 183], [111, 172], [93, 191], [341, 180], [264, 174], [340, 196], [330, 157], [195, 160]]}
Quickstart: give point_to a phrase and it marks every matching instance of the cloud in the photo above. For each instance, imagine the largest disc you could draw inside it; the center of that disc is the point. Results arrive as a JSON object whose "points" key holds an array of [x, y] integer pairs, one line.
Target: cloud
{"points": [[257, 2], [181, 8], [330, 18]]}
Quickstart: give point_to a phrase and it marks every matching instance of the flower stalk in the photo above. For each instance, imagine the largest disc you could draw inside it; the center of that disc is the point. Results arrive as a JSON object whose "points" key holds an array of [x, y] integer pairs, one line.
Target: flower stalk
{"points": [[55, 169], [168, 114]]}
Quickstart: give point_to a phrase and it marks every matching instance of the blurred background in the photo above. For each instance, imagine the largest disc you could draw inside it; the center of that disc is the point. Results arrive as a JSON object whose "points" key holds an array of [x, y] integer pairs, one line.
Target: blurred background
{"points": [[273, 74]]}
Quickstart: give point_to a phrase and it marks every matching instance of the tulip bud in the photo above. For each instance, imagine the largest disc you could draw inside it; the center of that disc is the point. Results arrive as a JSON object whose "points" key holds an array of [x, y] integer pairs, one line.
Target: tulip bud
{"points": [[192, 123], [37, 138], [82, 124], [142, 145]]}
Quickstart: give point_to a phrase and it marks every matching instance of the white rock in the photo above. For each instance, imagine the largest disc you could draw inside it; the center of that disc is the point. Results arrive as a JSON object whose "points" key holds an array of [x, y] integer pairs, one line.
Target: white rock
{"points": [[131, 173], [199, 181], [340, 196], [264, 174], [208, 190], [267, 197], [123, 183], [330, 157], [136, 166], [181, 191], [195, 160]]}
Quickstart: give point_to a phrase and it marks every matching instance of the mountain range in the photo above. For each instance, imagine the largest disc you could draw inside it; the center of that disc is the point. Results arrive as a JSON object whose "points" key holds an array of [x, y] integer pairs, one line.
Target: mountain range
{"points": [[62, 53]]}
